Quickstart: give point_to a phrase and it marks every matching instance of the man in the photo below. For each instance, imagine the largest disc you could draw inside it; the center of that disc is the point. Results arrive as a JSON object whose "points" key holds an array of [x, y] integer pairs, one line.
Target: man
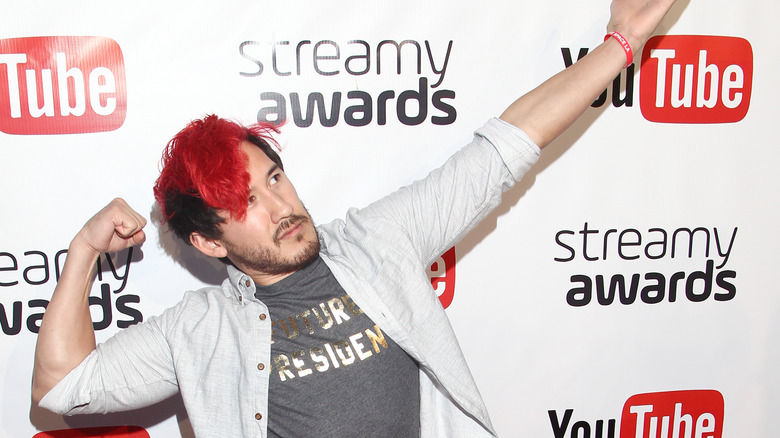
{"points": [[333, 331]]}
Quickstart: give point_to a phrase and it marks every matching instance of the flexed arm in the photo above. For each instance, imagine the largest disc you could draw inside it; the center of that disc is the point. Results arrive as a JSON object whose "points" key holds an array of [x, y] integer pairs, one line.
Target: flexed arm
{"points": [[66, 335], [545, 112]]}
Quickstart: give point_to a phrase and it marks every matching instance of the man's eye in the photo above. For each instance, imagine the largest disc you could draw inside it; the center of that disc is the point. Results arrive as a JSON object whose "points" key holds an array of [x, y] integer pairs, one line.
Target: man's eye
{"points": [[275, 179]]}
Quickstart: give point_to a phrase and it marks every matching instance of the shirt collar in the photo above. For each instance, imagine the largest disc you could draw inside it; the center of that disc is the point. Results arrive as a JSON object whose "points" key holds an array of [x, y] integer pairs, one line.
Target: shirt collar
{"points": [[243, 286]]}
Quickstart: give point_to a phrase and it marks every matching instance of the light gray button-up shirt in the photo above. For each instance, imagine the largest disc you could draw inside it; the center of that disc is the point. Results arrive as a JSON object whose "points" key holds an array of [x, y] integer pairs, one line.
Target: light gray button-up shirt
{"points": [[214, 345]]}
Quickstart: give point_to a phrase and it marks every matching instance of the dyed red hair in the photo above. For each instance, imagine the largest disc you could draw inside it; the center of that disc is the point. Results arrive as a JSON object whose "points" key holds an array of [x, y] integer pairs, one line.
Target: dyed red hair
{"points": [[204, 164]]}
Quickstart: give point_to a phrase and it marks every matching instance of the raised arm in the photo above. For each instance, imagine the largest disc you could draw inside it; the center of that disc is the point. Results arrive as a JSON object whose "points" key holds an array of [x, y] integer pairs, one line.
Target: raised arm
{"points": [[545, 112], [66, 335]]}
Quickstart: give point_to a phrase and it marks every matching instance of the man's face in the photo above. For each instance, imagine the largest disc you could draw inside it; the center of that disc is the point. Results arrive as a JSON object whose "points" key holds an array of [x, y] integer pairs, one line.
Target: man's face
{"points": [[277, 237]]}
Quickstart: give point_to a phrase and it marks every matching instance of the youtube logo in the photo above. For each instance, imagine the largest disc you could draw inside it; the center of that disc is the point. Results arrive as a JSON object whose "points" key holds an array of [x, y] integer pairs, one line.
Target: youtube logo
{"points": [[97, 432], [674, 414], [61, 85], [696, 79], [442, 276]]}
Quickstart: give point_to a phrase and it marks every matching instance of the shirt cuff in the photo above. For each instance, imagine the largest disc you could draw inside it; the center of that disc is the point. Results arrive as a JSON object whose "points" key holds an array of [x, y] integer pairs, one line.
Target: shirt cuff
{"points": [[514, 146]]}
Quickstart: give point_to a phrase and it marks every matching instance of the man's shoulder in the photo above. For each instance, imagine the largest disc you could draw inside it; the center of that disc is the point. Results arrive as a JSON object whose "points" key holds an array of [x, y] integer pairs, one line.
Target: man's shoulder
{"points": [[208, 294], [197, 307], [201, 300]]}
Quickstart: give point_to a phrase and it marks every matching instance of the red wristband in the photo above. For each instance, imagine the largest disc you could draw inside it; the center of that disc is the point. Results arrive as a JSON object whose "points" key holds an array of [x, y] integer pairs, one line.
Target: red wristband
{"points": [[623, 42]]}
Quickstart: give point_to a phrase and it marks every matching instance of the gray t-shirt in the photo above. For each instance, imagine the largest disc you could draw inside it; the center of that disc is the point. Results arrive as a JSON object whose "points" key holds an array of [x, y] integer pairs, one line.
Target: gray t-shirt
{"points": [[334, 373]]}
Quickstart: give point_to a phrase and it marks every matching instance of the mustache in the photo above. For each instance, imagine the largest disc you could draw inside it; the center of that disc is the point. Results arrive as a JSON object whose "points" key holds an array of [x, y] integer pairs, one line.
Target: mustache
{"points": [[288, 223]]}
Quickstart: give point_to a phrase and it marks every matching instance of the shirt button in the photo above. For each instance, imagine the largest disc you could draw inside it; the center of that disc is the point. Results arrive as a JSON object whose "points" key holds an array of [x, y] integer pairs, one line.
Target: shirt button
{"points": [[260, 367], [262, 317], [247, 283], [240, 298], [258, 416]]}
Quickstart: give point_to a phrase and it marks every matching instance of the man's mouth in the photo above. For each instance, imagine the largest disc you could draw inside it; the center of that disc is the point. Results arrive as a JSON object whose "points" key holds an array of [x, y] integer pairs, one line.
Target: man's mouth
{"points": [[289, 228]]}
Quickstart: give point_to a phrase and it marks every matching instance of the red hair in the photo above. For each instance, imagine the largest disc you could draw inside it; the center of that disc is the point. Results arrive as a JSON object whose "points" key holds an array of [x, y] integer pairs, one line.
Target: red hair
{"points": [[205, 161]]}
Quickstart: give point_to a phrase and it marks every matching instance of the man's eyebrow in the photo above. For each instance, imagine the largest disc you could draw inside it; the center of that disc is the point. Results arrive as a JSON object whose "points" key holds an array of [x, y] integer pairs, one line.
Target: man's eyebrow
{"points": [[273, 169]]}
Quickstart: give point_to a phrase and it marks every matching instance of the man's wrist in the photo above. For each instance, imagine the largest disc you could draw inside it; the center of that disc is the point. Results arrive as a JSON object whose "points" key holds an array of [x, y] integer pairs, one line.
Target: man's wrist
{"points": [[79, 248], [625, 45]]}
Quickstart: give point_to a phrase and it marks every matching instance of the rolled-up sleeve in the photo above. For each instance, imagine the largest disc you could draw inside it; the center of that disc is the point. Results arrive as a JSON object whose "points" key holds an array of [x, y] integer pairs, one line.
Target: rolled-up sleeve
{"points": [[132, 369], [514, 146]]}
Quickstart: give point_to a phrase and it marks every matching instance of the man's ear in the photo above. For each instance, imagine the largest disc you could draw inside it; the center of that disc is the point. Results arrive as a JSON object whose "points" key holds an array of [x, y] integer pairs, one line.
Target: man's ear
{"points": [[210, 247]]}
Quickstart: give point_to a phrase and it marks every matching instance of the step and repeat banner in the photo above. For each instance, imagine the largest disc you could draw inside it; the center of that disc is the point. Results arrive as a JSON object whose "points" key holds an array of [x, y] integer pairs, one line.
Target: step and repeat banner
{"points": [[625, 288]]}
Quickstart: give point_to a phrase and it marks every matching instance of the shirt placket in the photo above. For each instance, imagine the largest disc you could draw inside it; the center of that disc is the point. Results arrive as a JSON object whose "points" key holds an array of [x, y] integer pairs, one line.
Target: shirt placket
{"points": [[259, 344]]}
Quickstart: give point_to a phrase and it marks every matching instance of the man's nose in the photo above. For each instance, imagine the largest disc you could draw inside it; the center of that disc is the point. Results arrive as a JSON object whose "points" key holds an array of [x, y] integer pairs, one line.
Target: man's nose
{"points": [[279, 208]]}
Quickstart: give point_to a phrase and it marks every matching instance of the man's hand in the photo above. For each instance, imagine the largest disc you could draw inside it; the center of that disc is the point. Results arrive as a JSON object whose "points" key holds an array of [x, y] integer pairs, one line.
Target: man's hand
{"points": [[636, 20], [112, 229]]}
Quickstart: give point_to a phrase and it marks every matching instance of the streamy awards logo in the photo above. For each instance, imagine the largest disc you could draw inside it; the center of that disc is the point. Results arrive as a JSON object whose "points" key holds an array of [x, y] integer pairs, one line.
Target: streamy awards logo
{"points": [[696, 79], [22, 272], [61, 85], [420, 67]]}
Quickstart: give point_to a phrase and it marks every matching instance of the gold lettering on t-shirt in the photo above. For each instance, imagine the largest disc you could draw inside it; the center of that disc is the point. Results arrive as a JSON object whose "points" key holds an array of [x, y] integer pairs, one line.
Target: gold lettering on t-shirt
{"points": [[345, 352], [334, 311], [330, 356], [299, 363], [358, 347], [376, 339], [317, 356], [353, 308], [324, 323], [282, 365], [291, 332], [337, 309], [304, 317]]}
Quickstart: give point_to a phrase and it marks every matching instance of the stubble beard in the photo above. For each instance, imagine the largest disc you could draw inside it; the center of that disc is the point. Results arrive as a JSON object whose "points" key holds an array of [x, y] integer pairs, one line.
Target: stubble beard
{"points": [[269, 261]]}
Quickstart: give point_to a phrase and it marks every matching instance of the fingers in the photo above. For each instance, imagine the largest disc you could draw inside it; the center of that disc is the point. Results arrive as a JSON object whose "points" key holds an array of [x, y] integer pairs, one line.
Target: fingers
{"points": [[127, 222], [115, 227], [139, 237]]}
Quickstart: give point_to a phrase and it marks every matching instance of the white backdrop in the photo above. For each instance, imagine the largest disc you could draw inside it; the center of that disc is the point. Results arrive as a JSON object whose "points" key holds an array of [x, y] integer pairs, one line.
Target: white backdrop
{"points": [[618, 194]]}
